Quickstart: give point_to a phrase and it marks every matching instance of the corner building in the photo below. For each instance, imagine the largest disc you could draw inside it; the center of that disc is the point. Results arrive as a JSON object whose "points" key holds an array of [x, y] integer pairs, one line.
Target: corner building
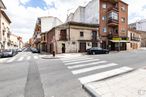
{"points": [[113, 28]]}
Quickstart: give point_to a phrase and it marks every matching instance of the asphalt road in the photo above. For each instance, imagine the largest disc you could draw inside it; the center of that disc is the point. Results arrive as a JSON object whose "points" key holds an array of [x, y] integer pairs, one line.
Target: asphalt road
{"points": [[30, 75]]}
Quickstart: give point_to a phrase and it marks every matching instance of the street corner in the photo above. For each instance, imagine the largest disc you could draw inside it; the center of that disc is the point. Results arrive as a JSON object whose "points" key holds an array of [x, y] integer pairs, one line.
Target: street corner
{"points": [[120, 86]]}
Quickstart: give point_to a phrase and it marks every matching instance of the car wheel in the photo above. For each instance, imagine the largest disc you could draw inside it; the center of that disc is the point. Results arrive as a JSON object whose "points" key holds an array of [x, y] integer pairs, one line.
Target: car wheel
{"points": [[93, 53], [106, 52]]}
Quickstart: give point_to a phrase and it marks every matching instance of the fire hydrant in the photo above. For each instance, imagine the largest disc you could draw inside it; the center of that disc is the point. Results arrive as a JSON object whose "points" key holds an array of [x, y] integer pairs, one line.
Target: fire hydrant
{"points": [[53, 53]]}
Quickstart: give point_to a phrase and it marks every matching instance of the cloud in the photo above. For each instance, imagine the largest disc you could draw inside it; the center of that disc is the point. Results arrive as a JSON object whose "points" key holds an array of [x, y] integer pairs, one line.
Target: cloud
{"points": [[137, 10], [23, 19]]}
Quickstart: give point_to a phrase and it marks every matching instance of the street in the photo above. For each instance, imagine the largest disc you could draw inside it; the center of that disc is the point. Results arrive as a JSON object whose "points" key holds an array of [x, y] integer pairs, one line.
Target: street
{"points": [[36, 75]]}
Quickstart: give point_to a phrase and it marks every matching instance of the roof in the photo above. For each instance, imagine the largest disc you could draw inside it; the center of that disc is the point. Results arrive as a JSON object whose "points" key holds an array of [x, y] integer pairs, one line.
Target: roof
{"points": [[123, 2], [76, 24], [2, 5], [50, 17], [136, 31], [79, 24], [5, 15]]}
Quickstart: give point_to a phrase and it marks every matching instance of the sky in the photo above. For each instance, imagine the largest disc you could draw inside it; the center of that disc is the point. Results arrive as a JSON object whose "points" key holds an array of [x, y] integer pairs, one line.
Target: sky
{"points": [[24, 13]]}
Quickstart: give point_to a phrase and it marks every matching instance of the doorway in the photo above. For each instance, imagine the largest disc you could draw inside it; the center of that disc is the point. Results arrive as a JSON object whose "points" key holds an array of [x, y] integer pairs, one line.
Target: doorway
{"points": [[63, 48]]}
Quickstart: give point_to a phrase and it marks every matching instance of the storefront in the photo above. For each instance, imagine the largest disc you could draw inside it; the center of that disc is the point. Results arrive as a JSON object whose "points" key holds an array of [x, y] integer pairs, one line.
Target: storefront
{"points": [[118, 44]]}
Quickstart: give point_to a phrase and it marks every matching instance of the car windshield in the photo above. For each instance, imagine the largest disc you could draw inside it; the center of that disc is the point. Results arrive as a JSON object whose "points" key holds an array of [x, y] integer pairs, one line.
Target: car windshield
{"points": [[96, 48], [7, 50]]}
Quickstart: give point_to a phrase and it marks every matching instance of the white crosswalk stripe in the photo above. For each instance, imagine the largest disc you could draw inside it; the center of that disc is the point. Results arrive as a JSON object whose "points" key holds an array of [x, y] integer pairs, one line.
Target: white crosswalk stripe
{"points": [[74, 60], [93, 68], [81, 62], [11, 60], [36, 57], [21, 58], [84, 64], [87, 64], [103, 75], [28, 58]]}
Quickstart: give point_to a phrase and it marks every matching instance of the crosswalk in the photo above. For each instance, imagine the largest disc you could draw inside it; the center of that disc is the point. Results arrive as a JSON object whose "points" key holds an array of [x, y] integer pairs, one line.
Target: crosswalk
{"points": [[88, 66], [21, 58]]}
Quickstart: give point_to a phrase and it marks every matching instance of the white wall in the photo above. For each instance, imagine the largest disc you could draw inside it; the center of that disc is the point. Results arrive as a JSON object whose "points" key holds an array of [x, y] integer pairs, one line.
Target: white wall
{"points": [[141, 26], [87, 14], [92, 12], [4, 25], [47, 23]]}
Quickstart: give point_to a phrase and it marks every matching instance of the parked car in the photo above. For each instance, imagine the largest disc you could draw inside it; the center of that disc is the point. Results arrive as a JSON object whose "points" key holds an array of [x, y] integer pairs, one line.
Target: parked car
{"points": [[19, 50], [0, 54], [8, 53], [34, 50], [97, 50], [14, 52]]}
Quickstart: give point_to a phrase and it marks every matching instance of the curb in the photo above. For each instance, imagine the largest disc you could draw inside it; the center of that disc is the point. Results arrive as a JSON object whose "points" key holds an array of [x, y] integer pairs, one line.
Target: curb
{"points": [[92, 92]]}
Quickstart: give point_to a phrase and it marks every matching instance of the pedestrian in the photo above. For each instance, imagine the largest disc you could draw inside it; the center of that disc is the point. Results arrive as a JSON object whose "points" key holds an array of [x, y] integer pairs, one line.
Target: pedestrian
{"points": [[53, 53]]}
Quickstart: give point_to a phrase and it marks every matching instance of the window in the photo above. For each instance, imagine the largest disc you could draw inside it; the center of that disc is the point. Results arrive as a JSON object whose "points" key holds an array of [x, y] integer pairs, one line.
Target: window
{"points": [[63, 34], [113, 15], [123, 20], [104, 5], [81, 34], [123, 8], [123, 30], [103, 17], [104, 29]]}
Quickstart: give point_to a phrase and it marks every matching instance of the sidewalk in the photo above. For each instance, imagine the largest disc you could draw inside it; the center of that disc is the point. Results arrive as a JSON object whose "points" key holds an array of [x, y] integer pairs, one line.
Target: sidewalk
{"points": [[65, 55], [131, 84]]}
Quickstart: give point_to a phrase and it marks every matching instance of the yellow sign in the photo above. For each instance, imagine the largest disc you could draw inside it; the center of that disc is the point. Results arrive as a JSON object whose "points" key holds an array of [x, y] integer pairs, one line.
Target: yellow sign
{"points": [[117, 39]]}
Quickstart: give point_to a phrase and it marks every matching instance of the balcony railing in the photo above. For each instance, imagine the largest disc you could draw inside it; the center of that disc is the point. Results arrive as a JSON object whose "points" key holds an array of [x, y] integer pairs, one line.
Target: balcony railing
{"points": [[112, 22], [135, 39]]}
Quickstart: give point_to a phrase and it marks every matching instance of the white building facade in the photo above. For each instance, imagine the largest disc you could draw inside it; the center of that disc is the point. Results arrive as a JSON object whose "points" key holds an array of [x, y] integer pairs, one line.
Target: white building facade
{"points": [[140, 25], [43, 24], [87, 14], [4, 28]]}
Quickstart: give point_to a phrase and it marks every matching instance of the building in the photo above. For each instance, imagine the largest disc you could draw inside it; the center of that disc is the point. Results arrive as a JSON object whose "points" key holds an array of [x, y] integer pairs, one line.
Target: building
{"points": [[134, 39], [113, 24], [112, 17], [142, 36], [15, 42], [87, 14], [139, 25], [4, 28], [72, 37], [43, 24]]}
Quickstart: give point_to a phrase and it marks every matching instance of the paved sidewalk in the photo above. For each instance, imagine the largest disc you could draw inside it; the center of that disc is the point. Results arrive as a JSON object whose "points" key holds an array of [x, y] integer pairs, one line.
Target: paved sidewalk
{"points": [[132, 84], [65, 55]]}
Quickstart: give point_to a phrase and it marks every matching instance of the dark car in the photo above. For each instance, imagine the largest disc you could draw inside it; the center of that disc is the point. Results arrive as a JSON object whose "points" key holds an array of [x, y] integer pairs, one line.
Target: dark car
{"points": [[7, 53], [97, 50], [0, 54], [34, 50]]}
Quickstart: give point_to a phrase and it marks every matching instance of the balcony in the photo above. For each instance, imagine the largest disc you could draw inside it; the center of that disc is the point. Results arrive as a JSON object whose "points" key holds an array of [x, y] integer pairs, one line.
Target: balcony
{"points": [[135, 39], [112, 22]]}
